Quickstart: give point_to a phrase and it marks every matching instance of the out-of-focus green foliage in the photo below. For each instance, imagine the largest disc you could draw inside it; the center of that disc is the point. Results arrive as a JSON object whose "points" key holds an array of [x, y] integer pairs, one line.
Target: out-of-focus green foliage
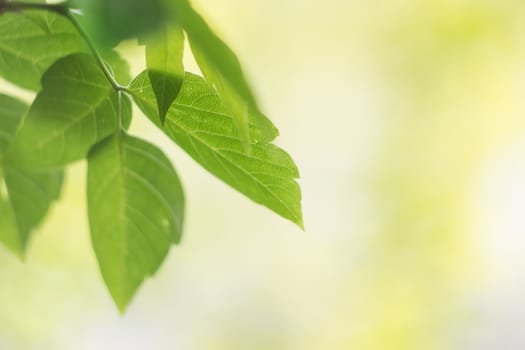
{"points": [[25, 196], [30, 42], [220, 66], [111, 21]]}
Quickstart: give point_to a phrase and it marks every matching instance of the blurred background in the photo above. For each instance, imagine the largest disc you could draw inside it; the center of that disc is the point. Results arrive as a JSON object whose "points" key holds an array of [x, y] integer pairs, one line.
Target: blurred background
{"points": [[407, 120]]}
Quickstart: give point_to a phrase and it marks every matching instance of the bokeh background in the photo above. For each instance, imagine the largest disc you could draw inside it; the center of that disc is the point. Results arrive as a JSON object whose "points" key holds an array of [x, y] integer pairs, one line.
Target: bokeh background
{"points": [[406, 118]]}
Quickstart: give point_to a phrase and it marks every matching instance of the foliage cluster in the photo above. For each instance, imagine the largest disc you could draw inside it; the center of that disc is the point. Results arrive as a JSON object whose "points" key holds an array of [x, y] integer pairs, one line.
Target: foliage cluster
{"points": [[82, 110]]}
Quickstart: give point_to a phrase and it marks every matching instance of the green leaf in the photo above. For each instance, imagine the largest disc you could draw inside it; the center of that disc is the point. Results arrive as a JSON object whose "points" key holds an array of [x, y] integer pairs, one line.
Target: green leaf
{"points": [[11, 114], [76, 109], [28, 199], [164, 53], [136, 209], [221, 68], [9, 234], [110, 21], [31, 41], [117, 65], [199, 123], [25, 196]]}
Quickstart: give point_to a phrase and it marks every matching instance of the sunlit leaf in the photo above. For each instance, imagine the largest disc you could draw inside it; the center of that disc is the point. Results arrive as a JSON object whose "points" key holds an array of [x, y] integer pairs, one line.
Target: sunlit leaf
{"points": [[199, 122], [136, 209], [76, 108], [221, 68], [31, 41]]}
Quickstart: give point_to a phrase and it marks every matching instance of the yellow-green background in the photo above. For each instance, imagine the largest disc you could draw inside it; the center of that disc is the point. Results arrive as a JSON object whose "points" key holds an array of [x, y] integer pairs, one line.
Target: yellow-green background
{"points": [[406, 118]]}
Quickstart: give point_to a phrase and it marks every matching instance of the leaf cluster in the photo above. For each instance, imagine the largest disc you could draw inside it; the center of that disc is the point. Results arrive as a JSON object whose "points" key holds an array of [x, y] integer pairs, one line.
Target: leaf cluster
{"points": [[82, 110]]}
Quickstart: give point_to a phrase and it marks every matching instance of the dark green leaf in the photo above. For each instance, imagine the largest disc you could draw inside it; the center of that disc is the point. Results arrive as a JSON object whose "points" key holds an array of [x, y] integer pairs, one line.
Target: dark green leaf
{"points": [[76, 109], [199, 123], [11, 113], [136, 209], [164, 53], [111, 21], [29, 195]]}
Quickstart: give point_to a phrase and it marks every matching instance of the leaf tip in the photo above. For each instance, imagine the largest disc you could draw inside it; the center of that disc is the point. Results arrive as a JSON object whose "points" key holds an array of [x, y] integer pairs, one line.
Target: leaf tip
{"points": [[162, 117], [122, 301], [300, 222], [122, 308]]}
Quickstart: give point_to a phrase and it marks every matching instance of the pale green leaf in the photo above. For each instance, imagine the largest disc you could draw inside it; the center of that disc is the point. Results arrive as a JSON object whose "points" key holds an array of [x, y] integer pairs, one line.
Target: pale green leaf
{"points": [[31, 41], [136, 209], [30, 195], [9, 234], [25, 195], [76, 109], [200, 124], [164, 53], [11, 113], [117, 65]]}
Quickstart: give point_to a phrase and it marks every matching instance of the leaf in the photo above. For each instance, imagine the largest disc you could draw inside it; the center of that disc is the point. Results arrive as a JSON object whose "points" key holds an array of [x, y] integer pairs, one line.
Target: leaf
{"points": [[9, 235], [11, 114], [25, 196], [76, 109], [23, 207], [136, 209], [31, 41], [221, 68], [199, 123], [164, 53], [118, 66], [29, 196], [110, 21]]}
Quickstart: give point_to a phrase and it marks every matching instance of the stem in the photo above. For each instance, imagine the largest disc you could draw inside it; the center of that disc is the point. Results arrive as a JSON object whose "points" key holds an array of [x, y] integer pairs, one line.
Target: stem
{"points": [[63, 10], [119, 110], [94, 51]]}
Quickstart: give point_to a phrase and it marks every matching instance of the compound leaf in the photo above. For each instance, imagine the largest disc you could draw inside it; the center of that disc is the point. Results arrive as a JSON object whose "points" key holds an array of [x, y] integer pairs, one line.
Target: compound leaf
{"points": [[136, 209], [76, 109], [199, 123]]}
